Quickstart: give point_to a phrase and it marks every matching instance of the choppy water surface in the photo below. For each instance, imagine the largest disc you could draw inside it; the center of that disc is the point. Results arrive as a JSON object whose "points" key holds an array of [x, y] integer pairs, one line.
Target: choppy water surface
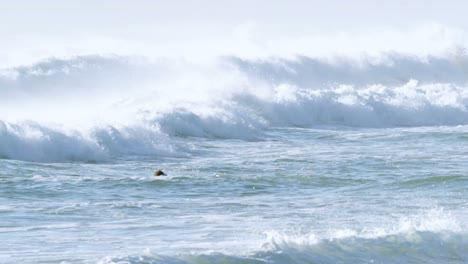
{"points": [[273, 160], [298, 195]]}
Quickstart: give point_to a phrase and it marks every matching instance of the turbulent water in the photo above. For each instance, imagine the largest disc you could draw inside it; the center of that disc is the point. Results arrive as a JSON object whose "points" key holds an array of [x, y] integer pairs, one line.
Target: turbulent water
{"points": [[303, 160]]}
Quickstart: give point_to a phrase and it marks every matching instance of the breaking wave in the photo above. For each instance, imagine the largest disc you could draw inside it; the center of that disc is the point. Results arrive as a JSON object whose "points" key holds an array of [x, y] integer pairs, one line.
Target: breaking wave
{"points": [[88, 108]]}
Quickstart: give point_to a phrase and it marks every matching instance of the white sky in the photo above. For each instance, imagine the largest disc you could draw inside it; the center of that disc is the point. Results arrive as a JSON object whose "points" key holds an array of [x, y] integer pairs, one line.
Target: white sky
{"points": [[33, 29]]}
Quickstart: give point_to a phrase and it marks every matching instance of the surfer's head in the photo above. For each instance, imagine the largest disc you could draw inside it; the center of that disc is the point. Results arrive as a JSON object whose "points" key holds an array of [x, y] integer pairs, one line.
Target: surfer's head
{"points": [[159, 173]]}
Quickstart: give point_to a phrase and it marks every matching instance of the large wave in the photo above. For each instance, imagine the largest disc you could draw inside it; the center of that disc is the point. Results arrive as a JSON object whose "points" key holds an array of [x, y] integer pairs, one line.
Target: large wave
{"points": [[87, 108]]}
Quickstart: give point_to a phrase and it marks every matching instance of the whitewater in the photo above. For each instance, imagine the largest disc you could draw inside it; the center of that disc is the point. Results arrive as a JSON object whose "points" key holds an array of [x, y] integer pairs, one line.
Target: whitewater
{"points": [[270, 160]]}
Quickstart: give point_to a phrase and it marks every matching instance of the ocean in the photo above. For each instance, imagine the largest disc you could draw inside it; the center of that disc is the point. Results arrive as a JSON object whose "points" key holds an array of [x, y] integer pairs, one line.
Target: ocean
{"points": [[277, 160]]}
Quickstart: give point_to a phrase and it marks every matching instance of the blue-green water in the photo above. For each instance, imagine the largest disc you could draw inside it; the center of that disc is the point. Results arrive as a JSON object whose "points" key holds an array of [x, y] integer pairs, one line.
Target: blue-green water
{"points": [[301, 160], [298, 195]]}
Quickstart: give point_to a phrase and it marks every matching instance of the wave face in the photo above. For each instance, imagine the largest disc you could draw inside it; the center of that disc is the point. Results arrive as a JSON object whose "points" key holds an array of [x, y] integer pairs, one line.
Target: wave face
{"points": [[90, 108]]}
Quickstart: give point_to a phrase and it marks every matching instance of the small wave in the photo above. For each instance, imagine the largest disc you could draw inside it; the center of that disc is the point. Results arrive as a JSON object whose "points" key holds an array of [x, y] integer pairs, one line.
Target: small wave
{"points": [[432, 180], [418, 247], [409, 248], [434, 236]]}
